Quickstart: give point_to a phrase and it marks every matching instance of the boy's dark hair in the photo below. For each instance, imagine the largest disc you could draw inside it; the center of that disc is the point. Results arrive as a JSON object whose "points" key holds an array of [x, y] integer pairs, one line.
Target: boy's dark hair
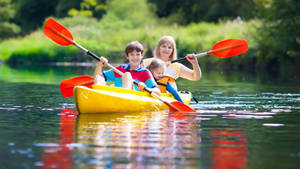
{"points": [[135, 45]]}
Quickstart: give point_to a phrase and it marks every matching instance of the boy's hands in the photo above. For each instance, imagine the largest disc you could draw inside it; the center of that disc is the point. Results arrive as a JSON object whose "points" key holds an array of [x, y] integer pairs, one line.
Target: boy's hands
{"points": [[141, 86], [102, 61]]}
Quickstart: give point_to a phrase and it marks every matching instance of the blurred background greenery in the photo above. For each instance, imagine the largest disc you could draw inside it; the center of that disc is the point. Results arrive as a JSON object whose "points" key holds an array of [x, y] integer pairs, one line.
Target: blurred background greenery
{"points": [[271, 27]]}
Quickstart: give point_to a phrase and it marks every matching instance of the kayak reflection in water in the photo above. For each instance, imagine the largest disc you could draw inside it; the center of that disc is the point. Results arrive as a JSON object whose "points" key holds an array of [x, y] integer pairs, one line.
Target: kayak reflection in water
{"points": [[139, 140]]}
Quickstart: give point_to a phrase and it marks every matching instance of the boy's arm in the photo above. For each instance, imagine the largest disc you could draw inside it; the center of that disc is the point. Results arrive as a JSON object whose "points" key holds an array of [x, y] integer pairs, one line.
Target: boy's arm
{"points": [[100, 64], [98, 70]]}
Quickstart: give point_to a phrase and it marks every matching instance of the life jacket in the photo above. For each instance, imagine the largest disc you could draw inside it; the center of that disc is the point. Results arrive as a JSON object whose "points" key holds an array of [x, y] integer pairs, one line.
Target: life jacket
{"points": [[162, 83], [165, 85]]}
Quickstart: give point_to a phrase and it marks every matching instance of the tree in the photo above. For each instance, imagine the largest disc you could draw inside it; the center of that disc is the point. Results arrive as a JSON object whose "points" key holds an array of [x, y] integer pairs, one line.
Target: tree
{"points": [[7, 12], [92, 8], [30, 14], [279, 37], [63, 6], [187, 11]]}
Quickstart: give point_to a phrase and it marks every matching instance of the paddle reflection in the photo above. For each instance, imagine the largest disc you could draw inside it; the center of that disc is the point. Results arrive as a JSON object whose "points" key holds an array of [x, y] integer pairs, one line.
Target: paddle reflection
{"points": [[230, 149], [137, 140], [60, 155]]}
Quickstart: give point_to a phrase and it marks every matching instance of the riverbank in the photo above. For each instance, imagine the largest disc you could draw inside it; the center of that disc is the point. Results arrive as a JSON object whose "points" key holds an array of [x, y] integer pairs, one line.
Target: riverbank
{"points": [[110, 40]]}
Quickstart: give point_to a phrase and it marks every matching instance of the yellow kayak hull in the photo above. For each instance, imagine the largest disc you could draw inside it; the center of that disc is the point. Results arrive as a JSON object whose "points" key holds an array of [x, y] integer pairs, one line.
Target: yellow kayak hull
{"points": [[107, 99]]}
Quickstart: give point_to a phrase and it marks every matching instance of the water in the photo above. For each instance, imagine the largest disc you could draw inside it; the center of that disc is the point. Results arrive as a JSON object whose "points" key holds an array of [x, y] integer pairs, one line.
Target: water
{"points": [[242, 121]]}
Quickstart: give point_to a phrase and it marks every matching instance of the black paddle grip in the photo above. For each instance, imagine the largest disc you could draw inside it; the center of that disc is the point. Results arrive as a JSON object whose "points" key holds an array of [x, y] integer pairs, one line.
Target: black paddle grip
{"points": [[178, 60], [93, 55]]}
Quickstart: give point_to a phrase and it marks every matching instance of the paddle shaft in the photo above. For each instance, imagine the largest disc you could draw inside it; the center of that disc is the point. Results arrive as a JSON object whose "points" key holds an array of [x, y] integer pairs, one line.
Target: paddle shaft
{"points": [[208, 52]]}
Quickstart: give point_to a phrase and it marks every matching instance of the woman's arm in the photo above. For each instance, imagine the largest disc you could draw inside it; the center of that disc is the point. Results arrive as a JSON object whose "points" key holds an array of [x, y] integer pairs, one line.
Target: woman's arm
{"points": [[187, 73]]}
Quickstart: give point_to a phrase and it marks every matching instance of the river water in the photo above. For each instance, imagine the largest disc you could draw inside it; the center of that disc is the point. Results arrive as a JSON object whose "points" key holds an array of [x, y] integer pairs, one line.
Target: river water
{"points": [[242, 121]]}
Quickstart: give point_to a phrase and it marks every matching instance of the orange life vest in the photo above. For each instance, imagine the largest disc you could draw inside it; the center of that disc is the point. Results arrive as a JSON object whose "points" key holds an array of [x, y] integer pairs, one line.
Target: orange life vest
{"points": [[162, 83]]}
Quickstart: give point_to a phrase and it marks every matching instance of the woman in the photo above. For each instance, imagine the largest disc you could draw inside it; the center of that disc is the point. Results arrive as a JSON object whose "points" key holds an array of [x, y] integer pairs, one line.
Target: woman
{"points": [[166, 51]]}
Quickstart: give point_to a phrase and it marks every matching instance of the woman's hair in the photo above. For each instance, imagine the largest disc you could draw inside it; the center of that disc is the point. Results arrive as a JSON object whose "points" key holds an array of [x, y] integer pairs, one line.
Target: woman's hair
{"points": [[170, 40], [155, 63], [134, 45]]}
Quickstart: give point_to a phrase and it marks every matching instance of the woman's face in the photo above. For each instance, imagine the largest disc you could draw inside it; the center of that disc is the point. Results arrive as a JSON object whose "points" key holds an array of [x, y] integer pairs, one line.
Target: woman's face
{"points": [[158, 73], [165, 51]]}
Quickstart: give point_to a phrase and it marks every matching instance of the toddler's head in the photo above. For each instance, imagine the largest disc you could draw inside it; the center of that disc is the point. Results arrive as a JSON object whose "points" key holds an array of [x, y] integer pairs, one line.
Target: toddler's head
{"points": [[157, 68]]}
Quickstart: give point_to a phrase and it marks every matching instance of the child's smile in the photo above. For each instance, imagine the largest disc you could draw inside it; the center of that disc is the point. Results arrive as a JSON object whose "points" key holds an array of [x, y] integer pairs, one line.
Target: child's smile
{"points": [[135, 59]]}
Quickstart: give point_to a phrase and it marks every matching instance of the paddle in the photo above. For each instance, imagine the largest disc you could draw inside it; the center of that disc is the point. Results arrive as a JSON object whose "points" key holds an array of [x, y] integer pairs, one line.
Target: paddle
{"points": [[67, 86], [223, 49], [62, 36]]}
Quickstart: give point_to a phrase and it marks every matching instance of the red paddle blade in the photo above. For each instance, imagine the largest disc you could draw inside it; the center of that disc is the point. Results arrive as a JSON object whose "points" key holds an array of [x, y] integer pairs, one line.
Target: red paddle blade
{"points": [[56, 32], [67, 86], [229, 47], [179, 106]]}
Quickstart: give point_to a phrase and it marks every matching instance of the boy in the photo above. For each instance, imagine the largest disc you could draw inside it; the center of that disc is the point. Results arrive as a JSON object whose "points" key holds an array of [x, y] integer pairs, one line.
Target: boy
{"points": [[134, 52]]}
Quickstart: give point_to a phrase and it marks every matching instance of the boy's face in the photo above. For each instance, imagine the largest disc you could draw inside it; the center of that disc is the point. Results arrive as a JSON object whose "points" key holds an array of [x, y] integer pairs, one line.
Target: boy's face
{"points": [[158, 73], [135, 58]]}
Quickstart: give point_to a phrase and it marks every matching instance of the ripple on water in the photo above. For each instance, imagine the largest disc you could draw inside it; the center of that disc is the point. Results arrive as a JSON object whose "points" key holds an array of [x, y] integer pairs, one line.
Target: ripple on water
{"points": [[272, 124]]}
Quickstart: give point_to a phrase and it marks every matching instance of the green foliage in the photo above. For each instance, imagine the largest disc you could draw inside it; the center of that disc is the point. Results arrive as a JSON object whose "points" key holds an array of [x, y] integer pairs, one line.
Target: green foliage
{"points": [[7, 12], [30, 14], [128, 14], [63, 6], [110, 39], [273, 41], [185, 12], [35, 48], [91, 8], [279, 36]]}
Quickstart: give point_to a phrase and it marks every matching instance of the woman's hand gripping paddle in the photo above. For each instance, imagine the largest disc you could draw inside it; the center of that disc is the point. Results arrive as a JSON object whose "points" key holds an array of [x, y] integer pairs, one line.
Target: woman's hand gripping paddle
{"points": [[62, 36]]}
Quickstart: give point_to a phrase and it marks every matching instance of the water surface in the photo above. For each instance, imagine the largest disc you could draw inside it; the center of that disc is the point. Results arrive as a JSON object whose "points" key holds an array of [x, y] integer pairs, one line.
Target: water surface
{"points": [[242, 121]]}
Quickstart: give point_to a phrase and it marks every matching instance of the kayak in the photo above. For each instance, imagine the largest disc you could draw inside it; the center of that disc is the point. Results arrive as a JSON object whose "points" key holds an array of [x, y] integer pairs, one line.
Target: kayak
{"points": [[107, 99]]}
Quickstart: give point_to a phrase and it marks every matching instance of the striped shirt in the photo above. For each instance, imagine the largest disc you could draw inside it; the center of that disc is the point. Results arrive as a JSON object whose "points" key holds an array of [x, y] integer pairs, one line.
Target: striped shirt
{"points": [[140, 75]]}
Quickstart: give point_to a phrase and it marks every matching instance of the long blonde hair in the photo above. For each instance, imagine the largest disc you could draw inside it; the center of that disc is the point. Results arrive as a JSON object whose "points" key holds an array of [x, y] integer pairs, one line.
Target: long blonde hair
{"points": [[166, 39]]}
